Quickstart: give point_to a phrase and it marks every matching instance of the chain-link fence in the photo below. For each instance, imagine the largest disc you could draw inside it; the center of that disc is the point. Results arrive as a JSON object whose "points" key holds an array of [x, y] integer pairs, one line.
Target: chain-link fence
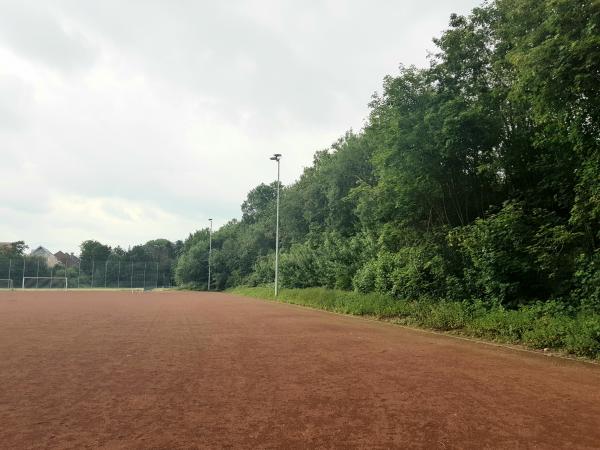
{"points": [[114, 273]]}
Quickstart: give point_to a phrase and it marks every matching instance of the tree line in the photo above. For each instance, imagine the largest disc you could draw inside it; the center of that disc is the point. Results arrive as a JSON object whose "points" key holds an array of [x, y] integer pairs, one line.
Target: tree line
{"points": [[100, 265], [476, 178]]}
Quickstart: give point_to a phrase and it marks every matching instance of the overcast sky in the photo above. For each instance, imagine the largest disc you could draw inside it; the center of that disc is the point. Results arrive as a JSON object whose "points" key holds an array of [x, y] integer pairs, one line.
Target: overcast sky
{"points": [[125, 121]]}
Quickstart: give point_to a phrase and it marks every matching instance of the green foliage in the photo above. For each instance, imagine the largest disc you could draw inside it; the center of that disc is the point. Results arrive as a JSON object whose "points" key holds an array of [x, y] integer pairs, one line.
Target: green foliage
{"points": [[412, 272], [583, 337], [364, 280], [587, 280], [300, 267], [501, 324], [13, 249], [192, 266], [548, 332], [93, 250], [418, 271], [515, 255], [156, 258], [263, 272], [473, 179], [449, 315], [259, 203]]}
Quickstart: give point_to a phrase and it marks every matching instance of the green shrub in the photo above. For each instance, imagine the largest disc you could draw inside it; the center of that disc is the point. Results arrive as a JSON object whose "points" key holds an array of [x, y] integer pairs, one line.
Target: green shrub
{"points": [[364, 280], [418, 271], [547, 332], [384, 266], [410, 273], [502, 324], [515, 255], [587, 280], [192, 267], [299, 267], [583, 337], [448, 316], [264, 271]]}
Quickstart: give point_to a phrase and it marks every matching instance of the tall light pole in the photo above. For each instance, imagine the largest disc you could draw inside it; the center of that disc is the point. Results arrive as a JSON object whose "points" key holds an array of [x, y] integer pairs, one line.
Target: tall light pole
{"points": [[277, 157], [209, 250]]}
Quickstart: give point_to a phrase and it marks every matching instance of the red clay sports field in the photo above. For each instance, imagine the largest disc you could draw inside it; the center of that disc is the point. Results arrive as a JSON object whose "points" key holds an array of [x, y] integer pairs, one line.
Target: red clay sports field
{"points": [[195, 370]]}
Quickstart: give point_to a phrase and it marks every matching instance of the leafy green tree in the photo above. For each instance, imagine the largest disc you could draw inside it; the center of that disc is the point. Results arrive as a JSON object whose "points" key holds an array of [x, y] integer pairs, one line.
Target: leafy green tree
{"points": [[14, 250], [93, 251], [259, 203]]}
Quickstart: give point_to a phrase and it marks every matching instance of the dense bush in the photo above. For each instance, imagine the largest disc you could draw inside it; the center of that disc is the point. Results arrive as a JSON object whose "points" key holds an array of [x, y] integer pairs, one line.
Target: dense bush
{"points": [[514, 256], [302, 267], [192, 266], [364, 279], [263, 272], [587, 282]]}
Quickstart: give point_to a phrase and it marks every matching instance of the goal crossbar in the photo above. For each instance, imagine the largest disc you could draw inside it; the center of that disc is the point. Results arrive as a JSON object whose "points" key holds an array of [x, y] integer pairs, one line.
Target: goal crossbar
{"points": [[9, 282], [52, 279]]}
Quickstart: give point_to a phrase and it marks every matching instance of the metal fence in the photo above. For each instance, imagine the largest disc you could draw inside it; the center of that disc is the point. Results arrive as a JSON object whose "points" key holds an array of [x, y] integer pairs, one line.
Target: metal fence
{"points": [[113, 273]]}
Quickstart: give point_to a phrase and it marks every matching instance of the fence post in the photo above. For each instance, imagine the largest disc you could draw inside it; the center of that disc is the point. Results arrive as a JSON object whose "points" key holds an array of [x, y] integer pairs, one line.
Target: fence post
{"points": [[79, 273], [132, 275], [9, 270], [144, 288], [156, 284], [37, 274], [23, 287], [119, 276], [92, 285], [105, 271]]}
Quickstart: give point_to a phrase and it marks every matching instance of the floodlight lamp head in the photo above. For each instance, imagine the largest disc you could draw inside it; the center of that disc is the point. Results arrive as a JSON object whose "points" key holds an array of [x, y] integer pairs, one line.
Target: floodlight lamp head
{"points": [[275, 157]]}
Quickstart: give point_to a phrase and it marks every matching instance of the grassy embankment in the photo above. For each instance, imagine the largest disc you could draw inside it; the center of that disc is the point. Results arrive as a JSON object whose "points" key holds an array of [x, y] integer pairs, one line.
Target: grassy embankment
{"points": [[547, 325]]}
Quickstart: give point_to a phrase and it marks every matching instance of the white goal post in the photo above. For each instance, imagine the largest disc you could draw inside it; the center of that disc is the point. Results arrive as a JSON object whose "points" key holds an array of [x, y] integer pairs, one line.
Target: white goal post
{"points": [[45, 283], [8, 282]]}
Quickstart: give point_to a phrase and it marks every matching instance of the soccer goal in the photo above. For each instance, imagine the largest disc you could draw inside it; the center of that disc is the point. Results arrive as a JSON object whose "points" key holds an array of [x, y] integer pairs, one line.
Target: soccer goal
{"points": [[45, 283], [6, 283]]}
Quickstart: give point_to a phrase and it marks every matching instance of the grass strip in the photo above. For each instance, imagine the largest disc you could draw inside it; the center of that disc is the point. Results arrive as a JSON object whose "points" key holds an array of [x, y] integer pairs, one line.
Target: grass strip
{"points": [[546, 325]]}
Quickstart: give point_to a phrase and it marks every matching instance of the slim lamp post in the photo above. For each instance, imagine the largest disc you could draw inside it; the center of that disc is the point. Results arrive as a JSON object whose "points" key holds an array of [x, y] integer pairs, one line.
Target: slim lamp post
{"points": [[23, 272], [209, 250], [277, 157]]}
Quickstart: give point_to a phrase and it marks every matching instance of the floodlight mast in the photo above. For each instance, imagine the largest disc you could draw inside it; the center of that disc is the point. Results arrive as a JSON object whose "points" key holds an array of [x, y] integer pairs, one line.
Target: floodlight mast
{"points": [[277, 157], [209, 250]]}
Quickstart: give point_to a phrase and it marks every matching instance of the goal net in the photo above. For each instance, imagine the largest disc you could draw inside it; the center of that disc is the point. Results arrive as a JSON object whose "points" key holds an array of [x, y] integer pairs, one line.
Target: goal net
{"points": [[45, 283], [6, 283]]}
